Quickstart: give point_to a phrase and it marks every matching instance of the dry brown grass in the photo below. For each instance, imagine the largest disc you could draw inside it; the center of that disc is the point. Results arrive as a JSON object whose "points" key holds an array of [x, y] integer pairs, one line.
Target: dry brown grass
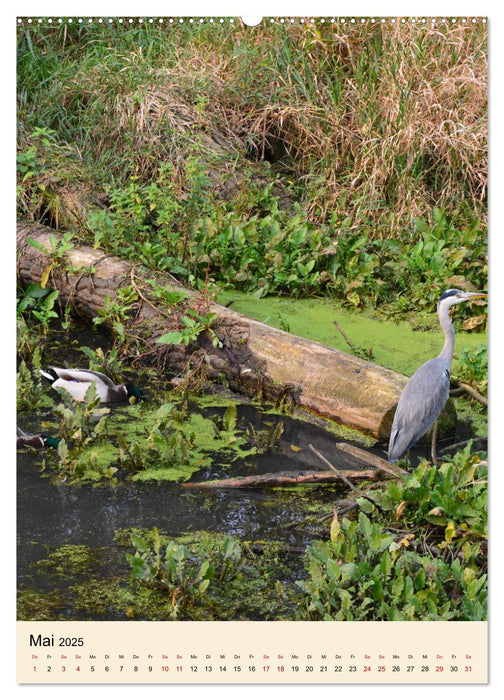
{"points": [[382, 120]]}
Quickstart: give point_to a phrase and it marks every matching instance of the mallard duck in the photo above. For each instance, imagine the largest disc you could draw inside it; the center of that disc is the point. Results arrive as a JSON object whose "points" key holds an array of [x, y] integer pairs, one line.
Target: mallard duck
{"points": [[77, 382], [23, 439]]}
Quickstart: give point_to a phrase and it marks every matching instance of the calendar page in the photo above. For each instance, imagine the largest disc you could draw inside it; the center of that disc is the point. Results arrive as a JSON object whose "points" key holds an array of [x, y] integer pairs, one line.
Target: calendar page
{"points": [[252, 349]]}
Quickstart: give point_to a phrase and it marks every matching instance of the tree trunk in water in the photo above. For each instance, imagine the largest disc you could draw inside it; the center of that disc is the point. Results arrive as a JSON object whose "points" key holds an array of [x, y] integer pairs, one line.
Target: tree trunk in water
{"points": [[254, 358]]}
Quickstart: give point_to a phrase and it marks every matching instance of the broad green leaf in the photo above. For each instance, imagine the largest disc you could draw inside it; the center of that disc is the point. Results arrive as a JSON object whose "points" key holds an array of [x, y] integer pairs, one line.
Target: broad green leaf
{"points": [[171, 338]]}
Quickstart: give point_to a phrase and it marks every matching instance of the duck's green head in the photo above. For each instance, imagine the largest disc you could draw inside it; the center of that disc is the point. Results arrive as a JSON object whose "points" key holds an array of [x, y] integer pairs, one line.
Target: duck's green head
{"points": [[133, 393], [50, 441]]}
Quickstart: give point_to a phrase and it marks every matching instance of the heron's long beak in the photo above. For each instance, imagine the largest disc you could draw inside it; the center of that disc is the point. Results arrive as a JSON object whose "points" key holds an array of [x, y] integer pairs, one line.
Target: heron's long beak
{"points": [[475, 295]]}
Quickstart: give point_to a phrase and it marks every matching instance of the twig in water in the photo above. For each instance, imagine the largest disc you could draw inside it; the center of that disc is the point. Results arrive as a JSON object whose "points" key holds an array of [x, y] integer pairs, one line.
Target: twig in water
{"points": [[343, 478], [347, 339], [358, 352], [459, 445]]}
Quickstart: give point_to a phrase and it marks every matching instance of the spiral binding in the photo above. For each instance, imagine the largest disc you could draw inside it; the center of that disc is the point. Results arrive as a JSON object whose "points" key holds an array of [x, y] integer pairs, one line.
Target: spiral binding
{"points": [[265, 21]]}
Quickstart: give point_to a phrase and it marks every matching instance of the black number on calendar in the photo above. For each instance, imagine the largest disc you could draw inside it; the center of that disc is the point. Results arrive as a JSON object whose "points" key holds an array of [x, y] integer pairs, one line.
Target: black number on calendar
{"points": [[323, 669], [309, 669], [453, 668], [424, 669], [71, 642], [338, 669], [352, 669], [395, 669]]}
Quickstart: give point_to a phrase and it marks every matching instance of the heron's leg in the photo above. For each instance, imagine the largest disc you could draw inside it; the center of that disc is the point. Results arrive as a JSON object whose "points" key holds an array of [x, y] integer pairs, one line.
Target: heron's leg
{"points": [[433, 445]]}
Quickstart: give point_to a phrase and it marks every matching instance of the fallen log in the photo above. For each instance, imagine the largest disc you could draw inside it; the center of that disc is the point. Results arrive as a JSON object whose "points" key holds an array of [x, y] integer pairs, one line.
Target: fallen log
{"points": [[254, 358], [283, 479]]}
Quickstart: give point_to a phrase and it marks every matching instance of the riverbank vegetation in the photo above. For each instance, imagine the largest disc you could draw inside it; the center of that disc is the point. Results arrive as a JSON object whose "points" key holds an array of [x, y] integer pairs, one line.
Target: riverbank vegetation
{"points": [[344, 162], [304, 159]]}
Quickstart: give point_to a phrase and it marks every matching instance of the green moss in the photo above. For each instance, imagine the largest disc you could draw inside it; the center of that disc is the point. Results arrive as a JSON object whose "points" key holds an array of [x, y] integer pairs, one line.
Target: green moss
{"points": [[38, 605], [98, 597], [68, 560]]}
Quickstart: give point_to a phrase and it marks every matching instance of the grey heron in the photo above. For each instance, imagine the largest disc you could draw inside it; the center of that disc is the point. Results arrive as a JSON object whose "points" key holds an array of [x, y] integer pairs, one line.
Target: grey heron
{"points": [[426, 393]]}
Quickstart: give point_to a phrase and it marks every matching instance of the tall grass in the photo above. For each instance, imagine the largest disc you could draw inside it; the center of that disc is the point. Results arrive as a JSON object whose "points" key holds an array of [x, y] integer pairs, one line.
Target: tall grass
{"points": [[382, 123]]}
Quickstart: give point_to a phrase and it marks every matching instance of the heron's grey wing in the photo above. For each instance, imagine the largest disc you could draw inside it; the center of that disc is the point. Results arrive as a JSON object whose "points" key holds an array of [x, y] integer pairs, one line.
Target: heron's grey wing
{"points": [[420, 404], [83, 375]]}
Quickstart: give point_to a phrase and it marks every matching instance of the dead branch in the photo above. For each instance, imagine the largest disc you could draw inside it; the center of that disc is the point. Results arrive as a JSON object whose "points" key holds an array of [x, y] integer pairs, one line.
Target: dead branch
{"points": [[282, 479], [472, 392]]}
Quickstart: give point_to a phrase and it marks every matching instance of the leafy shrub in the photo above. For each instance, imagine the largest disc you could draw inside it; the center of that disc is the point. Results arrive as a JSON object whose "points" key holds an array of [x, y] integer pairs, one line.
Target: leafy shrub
{"points": [[274, 251], [451, 499], [473, 365], [364, 574], [422, 557]]}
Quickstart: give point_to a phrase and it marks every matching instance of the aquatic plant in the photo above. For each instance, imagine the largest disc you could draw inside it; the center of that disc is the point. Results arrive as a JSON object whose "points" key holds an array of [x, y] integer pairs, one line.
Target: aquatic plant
{"points": [[81, 426], [266, 438], [421, 557], [473, 366], [171, 566], [363, 573], [31, 393], [168, 444], [116, 312], [107, 362]]}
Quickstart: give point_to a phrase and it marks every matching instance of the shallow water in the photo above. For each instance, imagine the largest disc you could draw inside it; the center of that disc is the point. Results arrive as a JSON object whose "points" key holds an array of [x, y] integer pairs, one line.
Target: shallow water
{"points": [[51, 515]]}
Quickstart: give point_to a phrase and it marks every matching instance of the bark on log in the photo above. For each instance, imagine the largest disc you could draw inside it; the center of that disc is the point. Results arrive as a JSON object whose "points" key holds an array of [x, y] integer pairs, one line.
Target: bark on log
{"points": [[256, 359], [281, 479]]}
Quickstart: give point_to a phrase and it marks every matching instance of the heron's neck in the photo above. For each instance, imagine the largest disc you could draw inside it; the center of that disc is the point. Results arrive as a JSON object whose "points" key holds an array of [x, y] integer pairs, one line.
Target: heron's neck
{"points": [[449, 344]]}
